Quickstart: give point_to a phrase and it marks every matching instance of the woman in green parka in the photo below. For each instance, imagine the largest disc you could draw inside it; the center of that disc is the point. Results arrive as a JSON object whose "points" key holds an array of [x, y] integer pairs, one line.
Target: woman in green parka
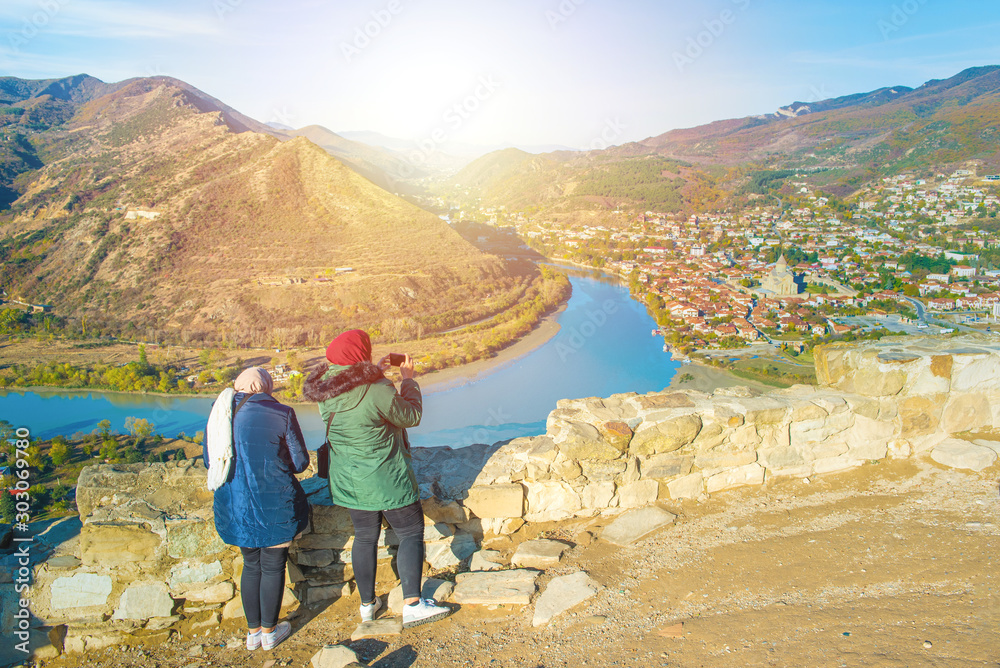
{"points": [[370, 470]]}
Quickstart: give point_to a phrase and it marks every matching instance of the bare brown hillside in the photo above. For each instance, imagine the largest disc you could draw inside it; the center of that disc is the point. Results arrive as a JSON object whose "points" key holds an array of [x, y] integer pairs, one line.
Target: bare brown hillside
{"points": [[154, 212]]}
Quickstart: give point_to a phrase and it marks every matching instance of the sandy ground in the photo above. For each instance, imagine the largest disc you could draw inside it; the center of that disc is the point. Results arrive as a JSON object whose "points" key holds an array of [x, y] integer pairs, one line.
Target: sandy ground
{"points": [[887, 565], [708, 379]]}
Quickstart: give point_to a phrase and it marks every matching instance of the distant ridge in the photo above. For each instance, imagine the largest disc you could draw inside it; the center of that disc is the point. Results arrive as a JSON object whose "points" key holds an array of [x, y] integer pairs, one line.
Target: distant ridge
{"points": [[797, 129], [852, 140], [381, 166]]}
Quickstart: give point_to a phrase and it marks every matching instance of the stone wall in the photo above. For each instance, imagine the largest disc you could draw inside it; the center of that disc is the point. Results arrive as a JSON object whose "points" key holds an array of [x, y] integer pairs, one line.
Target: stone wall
{"points": [[148, 554], [148, 550]]}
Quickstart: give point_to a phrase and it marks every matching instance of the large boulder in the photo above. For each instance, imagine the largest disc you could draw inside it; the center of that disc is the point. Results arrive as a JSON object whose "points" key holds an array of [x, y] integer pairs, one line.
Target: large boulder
{"points": [[653, 438], [665, 467], [450, 551], [597, 495], [687, 487], [188, 540], [142, 601], [82, 590], [582, 441], [111, 545], [551, 501], [638, 494], [961, 454], [501, 501], [172, 487], [751, 474]]}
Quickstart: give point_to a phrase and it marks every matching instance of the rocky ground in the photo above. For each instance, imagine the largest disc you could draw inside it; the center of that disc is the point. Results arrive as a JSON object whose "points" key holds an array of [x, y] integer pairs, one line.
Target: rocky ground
{"points": [[887, 565]]}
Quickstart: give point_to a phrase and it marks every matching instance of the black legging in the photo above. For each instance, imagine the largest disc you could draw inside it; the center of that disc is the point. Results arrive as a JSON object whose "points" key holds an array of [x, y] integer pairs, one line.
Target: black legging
{"points": [[262, 584], [408, 523]]}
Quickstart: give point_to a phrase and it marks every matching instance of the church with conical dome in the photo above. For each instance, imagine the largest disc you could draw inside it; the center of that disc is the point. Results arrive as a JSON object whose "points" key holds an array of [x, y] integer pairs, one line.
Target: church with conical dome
{"points": [[781, 281]]}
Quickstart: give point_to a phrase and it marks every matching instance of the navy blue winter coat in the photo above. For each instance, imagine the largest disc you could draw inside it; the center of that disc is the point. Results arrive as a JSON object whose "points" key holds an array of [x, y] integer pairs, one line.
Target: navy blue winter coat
{"points": [[262, 504]]}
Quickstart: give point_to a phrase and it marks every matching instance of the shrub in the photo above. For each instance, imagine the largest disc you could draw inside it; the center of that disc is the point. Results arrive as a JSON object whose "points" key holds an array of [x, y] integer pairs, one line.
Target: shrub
{"points": [[60, 451], [109, 449], [8, 508]]}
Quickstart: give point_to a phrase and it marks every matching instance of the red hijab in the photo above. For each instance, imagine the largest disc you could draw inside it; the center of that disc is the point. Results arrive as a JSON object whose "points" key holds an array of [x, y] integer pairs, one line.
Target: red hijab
{"points": [[349, 348]]}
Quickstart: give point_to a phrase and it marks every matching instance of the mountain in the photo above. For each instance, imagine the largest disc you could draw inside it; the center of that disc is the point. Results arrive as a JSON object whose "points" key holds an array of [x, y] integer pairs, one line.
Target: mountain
{"points": [[150, 206], [943, 122], [383, 167], [573, 186], [840, 144], [449, 156]]}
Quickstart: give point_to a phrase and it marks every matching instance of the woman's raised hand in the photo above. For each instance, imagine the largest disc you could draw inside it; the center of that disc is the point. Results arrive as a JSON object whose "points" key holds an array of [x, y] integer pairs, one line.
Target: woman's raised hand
{"points": [[406, 368], [383, 364]]}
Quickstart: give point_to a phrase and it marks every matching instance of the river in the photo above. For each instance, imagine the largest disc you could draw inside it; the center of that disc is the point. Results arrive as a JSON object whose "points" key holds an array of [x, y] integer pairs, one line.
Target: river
{"points": [[603, 347]]}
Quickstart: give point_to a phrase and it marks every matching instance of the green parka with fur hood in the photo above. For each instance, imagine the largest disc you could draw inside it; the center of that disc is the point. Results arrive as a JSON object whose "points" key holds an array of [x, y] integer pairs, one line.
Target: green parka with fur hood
{"points": [[370, 465]]}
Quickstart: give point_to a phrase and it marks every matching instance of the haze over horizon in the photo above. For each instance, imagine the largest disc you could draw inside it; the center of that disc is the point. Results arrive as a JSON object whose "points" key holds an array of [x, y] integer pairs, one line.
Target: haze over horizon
{"points": [[580, 73]]}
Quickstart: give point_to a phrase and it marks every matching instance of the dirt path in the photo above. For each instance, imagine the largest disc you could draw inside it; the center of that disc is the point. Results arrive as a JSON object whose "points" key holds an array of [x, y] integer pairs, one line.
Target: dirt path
{"points": [[888, 565]]}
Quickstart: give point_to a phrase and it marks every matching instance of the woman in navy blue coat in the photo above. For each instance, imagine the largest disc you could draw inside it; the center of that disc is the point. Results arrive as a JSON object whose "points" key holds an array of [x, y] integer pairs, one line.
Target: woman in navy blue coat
{"points": [[261, 507]]}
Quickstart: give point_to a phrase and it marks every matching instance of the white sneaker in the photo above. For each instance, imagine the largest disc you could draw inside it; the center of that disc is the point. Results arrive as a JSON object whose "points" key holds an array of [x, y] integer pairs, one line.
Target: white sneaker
{"points": [[423, 611], [253, 640], [368, 611], [272, 639]]}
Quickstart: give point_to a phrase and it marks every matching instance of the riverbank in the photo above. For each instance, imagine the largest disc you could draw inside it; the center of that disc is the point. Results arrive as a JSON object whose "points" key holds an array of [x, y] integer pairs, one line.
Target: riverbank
{"points": [[446, 379], [148, 367]]}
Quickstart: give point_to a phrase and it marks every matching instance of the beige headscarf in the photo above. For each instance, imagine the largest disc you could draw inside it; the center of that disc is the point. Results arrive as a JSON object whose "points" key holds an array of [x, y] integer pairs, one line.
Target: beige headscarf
{"points": [[253, 380]]}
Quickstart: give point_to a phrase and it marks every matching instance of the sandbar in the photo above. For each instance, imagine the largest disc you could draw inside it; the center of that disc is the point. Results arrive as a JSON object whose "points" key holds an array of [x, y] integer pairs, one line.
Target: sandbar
{"points": [[446, 379]]}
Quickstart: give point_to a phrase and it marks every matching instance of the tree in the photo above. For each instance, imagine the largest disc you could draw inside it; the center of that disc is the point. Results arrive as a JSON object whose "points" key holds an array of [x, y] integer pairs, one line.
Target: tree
{"points": [[60, 451], [109, 449], [295, 382], [8, 508], [227, 375], [35, 457], [105, 427], [59, 491], [89, 444], [139, 427], [208, 356]]}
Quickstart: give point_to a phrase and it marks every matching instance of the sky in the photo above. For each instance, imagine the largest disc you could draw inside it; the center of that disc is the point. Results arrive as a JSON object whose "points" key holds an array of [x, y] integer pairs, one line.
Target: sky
{"points": [[533, 73]]}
